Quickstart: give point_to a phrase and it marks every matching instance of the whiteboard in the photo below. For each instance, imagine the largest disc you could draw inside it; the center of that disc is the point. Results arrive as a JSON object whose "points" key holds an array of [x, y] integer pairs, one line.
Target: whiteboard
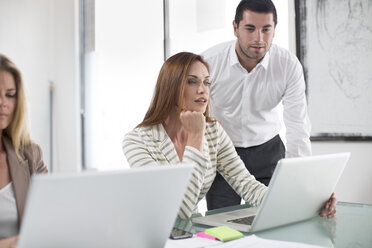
{"points": [[334, 44]]}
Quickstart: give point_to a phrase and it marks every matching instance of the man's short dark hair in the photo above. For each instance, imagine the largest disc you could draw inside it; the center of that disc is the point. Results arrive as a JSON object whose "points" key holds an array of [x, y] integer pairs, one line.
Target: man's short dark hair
{"points": [[259, 6]]}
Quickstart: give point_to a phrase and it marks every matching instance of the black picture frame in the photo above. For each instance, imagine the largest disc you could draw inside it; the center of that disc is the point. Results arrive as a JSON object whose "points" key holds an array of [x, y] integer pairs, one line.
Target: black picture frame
{"points": [[321, 32]]}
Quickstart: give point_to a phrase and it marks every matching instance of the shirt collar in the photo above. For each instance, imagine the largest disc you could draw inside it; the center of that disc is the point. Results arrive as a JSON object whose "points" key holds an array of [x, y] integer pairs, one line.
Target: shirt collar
{"points": [[234, 57], [265, 61]]}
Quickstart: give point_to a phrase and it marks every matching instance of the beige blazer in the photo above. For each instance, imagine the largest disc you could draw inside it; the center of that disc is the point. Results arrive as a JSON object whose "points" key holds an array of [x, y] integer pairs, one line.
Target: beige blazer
{"points": [[21, 171]]}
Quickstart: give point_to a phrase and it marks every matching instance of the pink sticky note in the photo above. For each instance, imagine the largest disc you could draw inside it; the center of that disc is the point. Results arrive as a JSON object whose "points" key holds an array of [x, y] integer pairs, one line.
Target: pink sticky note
{"points": [[206, 236]]}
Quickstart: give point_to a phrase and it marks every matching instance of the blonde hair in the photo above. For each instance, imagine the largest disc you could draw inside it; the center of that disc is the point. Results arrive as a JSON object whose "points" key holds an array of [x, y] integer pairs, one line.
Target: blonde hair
{"points": [[170, 88], [17, 130]]}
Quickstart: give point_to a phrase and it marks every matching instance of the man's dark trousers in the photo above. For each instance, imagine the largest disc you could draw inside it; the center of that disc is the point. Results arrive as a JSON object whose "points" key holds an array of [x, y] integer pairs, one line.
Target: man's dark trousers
{"points": [[260, 161]]}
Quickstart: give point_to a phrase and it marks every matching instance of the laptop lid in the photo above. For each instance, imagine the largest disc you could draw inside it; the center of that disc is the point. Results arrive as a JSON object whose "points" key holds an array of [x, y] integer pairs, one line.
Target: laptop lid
{"points": [[128, 208], [298, 190]]}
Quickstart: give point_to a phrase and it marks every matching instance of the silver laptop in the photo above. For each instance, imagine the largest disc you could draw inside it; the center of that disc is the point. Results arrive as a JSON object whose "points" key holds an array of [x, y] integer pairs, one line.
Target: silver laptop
{"points": [[128, 208], [298, 190]]}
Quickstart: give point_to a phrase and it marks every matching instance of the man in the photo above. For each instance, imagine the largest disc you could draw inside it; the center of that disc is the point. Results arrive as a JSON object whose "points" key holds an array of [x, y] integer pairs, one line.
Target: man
{"points": [[250, 77]]}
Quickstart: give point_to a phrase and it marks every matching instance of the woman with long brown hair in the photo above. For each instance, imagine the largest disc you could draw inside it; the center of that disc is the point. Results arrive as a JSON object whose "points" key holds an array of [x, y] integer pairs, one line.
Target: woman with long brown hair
{"points": [[177, 128]]}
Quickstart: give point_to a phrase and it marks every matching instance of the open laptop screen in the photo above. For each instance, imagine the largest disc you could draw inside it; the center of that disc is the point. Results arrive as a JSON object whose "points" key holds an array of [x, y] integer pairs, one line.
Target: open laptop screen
{"points": [[128, 208]]}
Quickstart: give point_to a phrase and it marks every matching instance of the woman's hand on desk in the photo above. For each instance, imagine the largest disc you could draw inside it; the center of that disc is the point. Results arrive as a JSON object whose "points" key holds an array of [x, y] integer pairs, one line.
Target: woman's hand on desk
{"points": [[9, 242], [329, 209]]}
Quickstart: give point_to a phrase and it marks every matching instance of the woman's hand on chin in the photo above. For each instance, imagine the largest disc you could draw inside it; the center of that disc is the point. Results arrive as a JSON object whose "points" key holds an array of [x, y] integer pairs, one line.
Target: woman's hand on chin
{"points": [[194, 124]]}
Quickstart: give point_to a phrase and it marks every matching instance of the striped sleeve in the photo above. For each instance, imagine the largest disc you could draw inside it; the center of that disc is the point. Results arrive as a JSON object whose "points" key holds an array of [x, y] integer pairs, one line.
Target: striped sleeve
{"points": [[197, 180], [135, 150], [235, 173]]}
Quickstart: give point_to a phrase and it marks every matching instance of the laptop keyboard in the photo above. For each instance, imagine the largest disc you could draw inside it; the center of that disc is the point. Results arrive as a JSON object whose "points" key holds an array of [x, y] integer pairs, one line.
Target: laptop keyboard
{"points": [[245, 220]]}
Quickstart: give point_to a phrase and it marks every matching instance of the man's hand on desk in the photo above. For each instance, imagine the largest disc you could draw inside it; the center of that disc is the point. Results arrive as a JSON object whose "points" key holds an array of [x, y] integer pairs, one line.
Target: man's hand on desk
{"points": [[9, 242], [329, 209]]}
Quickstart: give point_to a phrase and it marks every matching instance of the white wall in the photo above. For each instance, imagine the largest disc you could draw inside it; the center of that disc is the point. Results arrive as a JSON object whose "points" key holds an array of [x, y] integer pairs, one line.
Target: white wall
{"points": [[40, 36], [355, 183], [197, 25]]}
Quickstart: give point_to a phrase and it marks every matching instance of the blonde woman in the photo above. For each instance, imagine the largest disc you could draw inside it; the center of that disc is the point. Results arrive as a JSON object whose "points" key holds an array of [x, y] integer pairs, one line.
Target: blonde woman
{"points": [[19, 156]]}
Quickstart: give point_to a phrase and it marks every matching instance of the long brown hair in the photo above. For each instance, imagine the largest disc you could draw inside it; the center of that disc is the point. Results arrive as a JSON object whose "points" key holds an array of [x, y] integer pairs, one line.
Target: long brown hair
{"points": [[17, 130], [170, 88]]}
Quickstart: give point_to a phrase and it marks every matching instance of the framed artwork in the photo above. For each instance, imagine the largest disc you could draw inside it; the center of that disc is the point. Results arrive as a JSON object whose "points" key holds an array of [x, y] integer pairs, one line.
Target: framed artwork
{"points": [[334, 45]]}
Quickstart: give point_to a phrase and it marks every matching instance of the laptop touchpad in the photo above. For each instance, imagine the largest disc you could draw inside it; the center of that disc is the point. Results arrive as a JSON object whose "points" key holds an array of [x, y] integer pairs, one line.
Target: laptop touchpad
{"points": [[245, 220]]}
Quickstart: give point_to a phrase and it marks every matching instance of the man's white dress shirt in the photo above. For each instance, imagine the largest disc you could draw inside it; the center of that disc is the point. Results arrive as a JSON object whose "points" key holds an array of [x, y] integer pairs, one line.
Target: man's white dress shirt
{"points": [[246, 103]]}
